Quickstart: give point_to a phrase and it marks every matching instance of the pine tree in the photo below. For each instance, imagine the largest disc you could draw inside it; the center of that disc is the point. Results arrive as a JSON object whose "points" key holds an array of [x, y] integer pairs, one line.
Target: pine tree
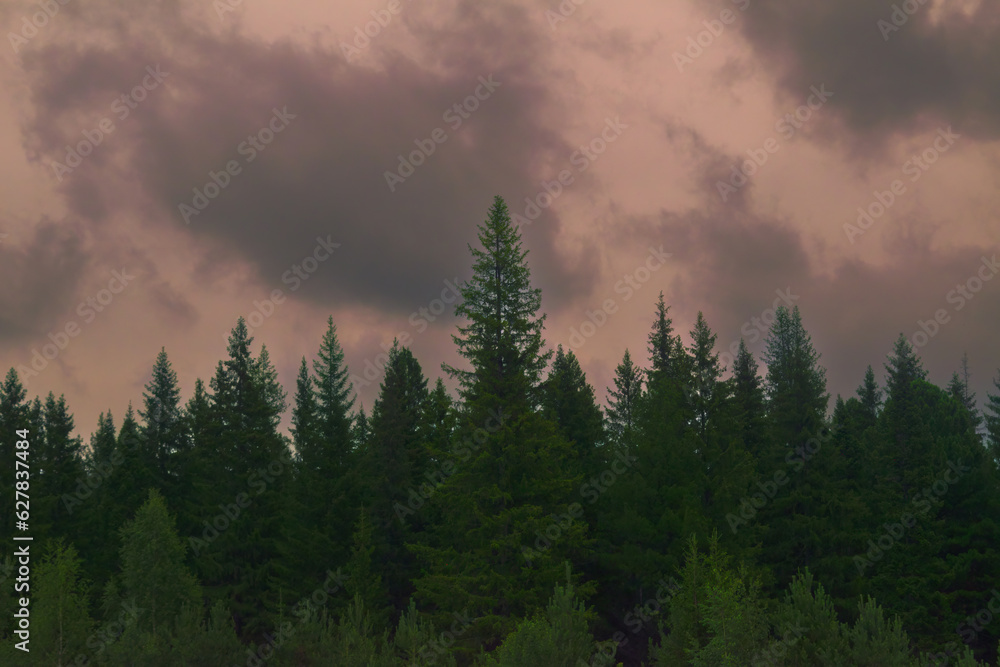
{"points": [[506, 486], [60, 620], [305, 414], [992, 419], [396, 454], [706, 391], [503, 339], [327, 462], [749, 402], [623, 403], [958, 387], [124, 490], [57, 468], [153, 575], [13, 418], [162, 431], [194, 467], [568, 400], [800, 448], [900, 416], [89, 502], [870, 396], [795, 383], [665, 349], [243, 555]]}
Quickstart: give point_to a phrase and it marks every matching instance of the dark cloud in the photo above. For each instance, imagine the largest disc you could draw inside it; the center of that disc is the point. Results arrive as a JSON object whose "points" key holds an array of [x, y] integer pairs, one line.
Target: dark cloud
{"points": [[936, 69], [324, 174], [38, 274], [734, 263]]}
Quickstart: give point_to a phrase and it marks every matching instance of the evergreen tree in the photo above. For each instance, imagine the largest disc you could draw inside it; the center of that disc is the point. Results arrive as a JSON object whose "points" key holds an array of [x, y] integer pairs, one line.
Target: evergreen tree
{"points": [[798, 517], [305, 414], [242, 554], [959, 389], [89, 502], [162, 431], [623, 403], [568, 400], [870, 396], [396, 454], [665, 349], [749, 402], [60, 620], [717, 617], [57, 468], [506, 486], [795, 383], [13, 418], [992, 419], [327, 462], [153, 575], [707, 393]]}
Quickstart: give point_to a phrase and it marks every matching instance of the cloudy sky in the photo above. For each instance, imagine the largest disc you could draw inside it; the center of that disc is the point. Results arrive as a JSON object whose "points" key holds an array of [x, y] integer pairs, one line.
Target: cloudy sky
{"points": [[170, 166]]}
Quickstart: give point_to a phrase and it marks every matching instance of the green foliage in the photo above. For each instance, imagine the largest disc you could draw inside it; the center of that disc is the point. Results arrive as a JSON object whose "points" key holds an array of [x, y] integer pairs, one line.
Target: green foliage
{"points": [[559, 637], [717, 617], [60, 618]]}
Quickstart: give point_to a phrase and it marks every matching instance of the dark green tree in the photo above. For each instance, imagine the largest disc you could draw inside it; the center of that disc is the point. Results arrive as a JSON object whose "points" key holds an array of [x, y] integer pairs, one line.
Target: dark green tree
{"points": [[395, 456], [623, 403], [569, 401], [57, 468], [13, 418], [506, 486]]}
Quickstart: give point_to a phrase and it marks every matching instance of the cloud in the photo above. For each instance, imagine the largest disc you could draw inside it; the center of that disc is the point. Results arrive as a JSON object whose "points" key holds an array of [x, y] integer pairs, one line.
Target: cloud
{"points": [[324, 174], [939, 67], [37, 275]]}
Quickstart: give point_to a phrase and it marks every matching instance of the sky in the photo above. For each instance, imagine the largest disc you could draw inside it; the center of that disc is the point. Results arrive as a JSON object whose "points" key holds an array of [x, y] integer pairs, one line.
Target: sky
{"points": [[168, 167]]}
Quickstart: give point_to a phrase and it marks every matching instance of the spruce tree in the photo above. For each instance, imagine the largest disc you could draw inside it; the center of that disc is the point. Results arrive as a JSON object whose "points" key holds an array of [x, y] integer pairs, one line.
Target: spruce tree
{"points": [[870, 396], [327, 462], [153, 574], [795, 383], [506, 488], [958, 387], [396, 454], [992, 419], [13, 418], [162, 431], [243, 555], [797, 518], [60, 619], [57, 468], [749, 402], [623, 403], [568, 400]]}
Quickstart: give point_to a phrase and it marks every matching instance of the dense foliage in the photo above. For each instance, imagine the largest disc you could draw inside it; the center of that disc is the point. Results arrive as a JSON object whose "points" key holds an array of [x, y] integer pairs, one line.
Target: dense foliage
{"points": [[705, 516]]}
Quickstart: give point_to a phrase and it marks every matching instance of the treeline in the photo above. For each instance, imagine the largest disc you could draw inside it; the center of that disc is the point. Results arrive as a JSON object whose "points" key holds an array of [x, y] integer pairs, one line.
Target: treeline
{"points": [[705, 516]]}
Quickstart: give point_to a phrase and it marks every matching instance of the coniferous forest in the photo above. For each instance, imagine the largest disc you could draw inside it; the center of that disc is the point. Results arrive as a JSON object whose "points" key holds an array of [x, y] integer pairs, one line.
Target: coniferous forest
{"points": [[705, 515]]}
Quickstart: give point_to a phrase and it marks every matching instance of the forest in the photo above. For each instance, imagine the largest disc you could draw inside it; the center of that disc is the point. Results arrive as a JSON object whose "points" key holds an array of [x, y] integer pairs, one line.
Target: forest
{"points": [[704, 516]]}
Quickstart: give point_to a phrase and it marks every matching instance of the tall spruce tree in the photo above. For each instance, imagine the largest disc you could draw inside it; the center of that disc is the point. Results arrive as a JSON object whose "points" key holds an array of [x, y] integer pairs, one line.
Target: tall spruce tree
{"points": [[162, 430], [796, 519], [57, 468], [749, 402], [506, 488], [396, 454], [327, 460], [244, 559]]}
